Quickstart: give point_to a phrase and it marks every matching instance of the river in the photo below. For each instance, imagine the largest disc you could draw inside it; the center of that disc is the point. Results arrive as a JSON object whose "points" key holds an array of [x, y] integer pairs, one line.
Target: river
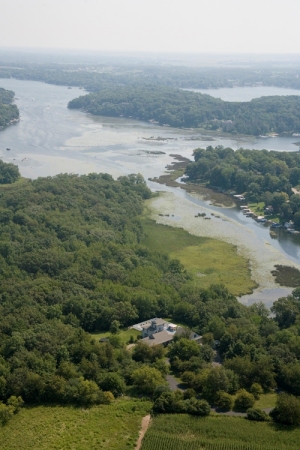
{"points": [[50, 139]]}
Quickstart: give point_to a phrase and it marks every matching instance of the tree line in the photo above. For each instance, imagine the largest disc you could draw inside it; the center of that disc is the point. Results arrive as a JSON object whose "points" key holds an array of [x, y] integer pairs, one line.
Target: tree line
{"points": [[178, 108], [94, 75], [8, 111]]}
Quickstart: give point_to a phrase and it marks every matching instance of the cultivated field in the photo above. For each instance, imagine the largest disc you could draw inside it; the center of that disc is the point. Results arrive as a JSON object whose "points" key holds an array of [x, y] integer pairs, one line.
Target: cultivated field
{"points": [[183, 432]]}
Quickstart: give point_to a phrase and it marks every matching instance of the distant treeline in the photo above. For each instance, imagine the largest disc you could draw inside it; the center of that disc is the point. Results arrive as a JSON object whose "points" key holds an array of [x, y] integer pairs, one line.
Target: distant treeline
{"points": [[95, 76], [177, 108], [260, 174], [8, 111]]}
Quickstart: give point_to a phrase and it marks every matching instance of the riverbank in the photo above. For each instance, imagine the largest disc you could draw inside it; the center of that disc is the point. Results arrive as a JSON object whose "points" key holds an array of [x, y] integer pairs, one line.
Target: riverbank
{"points": [[169, 209]]}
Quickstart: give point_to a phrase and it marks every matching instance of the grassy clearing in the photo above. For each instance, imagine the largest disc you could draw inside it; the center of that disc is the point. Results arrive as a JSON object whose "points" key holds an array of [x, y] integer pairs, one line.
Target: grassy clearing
{"points": [[124, 335], [208, 260], [183, 432], [266, 401], [113, 427], [259, 209]]}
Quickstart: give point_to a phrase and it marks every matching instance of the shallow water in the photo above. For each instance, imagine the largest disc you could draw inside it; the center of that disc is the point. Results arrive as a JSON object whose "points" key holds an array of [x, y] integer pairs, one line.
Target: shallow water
{"points": [[50, 139]]}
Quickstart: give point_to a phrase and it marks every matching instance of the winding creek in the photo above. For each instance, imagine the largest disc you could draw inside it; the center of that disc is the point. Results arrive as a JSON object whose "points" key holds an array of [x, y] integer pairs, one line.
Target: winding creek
{"points": [[50, 139]]}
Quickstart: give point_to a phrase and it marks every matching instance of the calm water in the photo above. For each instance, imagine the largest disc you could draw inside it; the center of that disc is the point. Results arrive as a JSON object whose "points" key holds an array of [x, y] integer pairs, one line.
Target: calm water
{"points": [[50, 139], [245, 94]]}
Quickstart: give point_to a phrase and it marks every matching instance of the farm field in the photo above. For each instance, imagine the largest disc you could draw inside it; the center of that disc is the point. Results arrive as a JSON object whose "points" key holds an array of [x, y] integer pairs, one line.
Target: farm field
{"points": [[113, 427], [183, 432], [202, 257]]}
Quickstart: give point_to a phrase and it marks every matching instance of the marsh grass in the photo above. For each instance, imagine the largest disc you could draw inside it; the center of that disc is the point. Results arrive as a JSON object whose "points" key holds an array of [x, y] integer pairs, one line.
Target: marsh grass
{"points": [[114, 427], [209, 261]]}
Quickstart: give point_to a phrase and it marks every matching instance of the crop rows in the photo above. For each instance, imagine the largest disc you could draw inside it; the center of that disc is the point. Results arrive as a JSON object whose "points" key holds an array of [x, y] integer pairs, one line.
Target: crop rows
{"points": [[156, 441]]}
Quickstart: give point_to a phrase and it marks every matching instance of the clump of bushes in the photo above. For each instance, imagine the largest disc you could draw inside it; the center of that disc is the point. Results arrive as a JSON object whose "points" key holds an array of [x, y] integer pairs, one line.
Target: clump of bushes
{"points": [[12, 407], [258, 415], [176, 402]]}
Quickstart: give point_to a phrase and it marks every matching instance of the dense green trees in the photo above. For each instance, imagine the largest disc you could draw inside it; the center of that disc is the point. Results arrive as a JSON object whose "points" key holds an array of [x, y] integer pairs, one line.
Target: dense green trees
{"points": [[8, 112], [260, 175], [178, 108], [71, 263]]}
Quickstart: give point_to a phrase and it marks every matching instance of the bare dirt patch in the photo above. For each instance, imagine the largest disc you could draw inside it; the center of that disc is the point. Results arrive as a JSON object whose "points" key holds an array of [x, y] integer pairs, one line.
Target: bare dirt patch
{"points": [[145, 424]]}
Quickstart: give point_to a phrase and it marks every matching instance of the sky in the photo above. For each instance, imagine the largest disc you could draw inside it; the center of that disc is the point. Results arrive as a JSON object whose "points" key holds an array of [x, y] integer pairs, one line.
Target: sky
{"points": [[183, 26]]}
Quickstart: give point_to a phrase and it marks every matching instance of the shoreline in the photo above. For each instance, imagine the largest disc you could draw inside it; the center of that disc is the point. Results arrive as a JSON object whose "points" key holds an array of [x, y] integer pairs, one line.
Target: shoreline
{"points": [[262, 260]]}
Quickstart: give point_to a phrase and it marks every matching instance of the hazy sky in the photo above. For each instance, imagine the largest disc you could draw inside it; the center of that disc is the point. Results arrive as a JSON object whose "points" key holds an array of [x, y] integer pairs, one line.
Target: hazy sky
{"points": [[243, 26]]}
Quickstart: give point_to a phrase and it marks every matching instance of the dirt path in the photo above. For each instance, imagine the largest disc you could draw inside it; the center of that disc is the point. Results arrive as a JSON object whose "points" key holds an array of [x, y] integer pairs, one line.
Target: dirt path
{"points": [[145, 424]]}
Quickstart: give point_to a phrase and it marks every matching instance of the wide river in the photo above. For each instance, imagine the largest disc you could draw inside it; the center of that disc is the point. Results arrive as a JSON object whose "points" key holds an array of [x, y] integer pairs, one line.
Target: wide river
{"points": [[50, 139]]}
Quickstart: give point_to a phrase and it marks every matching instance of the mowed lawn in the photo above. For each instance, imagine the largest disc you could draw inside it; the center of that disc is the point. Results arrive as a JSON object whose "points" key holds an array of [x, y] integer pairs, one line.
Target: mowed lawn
{"points": [[114, 427], [210, 261], [124, 335], [183, 432]]}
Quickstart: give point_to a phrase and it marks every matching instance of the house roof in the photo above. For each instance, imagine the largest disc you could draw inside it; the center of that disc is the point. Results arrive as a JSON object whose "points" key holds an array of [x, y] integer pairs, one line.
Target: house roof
{"points": [[158, 338], [156, 322], [192, 336]]}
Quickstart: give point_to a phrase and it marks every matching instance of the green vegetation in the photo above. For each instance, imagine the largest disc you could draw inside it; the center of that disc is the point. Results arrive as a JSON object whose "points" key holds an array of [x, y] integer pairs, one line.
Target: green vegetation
{"points": [[8, 112], [266, 401], [261, 175], [94, 75], [111, 427], [202, 257], [124, 335], [9, 173], [178, 108], [74, 265], [182, 432]]}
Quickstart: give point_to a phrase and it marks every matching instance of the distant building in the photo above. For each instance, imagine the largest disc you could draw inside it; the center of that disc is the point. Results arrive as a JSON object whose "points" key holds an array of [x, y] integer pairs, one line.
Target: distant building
{"points": [[160, 332]]}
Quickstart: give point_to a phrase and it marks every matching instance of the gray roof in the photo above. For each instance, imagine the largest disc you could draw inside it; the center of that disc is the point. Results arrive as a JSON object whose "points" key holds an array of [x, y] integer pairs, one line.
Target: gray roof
{"points": [[193, 336], [155, 322], [158, 338]]}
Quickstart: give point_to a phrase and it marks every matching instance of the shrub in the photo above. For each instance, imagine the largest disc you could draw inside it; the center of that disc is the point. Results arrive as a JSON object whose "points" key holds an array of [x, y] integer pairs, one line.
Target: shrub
{"points": [[244, 400], [189, 393], [257, 414], [287, 410], [198, 407], [256, 390], [224, 401]]}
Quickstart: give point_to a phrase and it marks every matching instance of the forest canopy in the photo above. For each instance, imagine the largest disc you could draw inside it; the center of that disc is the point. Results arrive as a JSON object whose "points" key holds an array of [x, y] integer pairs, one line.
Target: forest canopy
{"points": [[71, 263], [8, 112], [179, 108], [261, 175]]}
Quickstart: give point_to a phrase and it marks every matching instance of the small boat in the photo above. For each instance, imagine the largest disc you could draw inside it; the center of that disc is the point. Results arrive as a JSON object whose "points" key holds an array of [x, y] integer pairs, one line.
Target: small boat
{"points": [[275, 225], [261, 219], [8, 149]]}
